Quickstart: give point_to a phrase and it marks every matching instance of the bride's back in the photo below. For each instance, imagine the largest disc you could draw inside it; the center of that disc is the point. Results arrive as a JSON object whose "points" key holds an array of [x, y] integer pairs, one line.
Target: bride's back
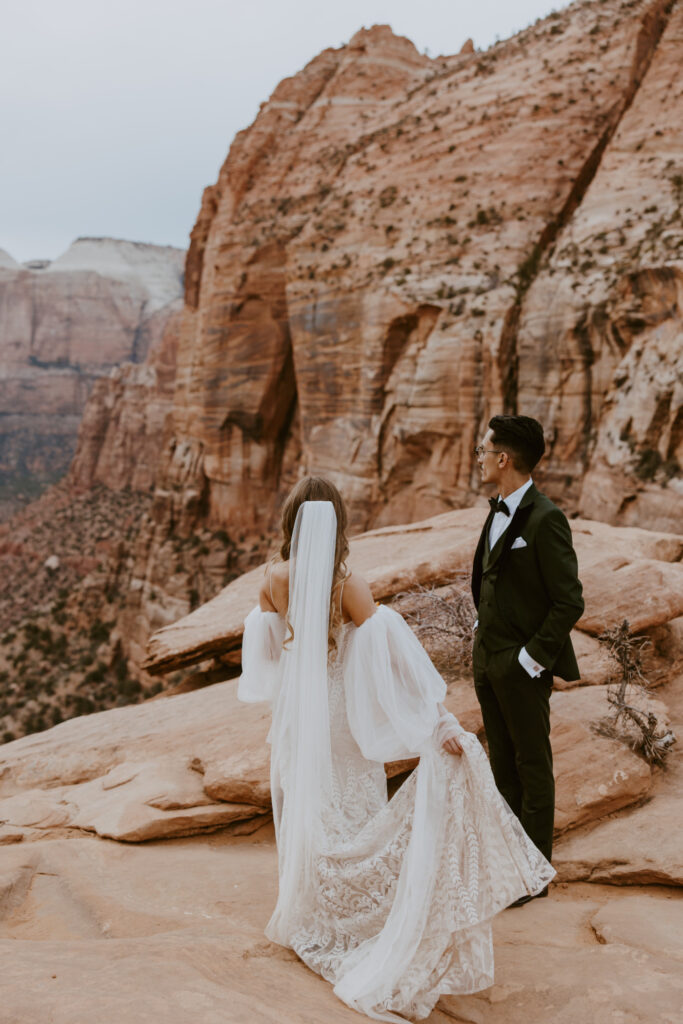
{"points": [[353, 594]]}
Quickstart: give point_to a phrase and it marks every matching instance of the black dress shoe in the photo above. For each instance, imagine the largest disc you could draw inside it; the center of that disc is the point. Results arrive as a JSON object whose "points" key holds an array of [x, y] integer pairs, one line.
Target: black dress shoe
{"points": [[528, 898]]}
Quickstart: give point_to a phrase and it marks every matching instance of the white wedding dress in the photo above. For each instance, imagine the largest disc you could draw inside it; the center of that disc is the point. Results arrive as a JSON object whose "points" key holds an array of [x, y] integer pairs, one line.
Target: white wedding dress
{"points": [[390, 901]]}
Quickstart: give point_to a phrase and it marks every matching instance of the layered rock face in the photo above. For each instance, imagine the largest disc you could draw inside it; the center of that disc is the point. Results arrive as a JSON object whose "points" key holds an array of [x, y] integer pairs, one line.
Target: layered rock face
{"points": [[399, 247], [62, 325], [127, 420], [607, 310]]}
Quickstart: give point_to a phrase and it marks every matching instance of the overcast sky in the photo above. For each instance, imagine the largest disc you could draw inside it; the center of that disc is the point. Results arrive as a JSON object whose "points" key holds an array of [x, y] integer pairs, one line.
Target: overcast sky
{"points": [[116, 113]]}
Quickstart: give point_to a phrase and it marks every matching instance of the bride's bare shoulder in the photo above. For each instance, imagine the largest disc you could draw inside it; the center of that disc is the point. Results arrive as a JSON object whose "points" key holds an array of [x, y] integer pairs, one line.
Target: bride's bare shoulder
{"points": [[274, 592], [357, 601]]}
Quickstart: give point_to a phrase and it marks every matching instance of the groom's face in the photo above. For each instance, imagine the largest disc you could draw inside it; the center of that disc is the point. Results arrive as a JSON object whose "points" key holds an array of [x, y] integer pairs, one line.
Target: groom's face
{"points": [[488, 460]]}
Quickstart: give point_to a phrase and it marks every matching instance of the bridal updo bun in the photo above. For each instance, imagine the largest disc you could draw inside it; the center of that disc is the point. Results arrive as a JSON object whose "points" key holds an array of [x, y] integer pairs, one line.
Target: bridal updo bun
{"points": [[521, 437]]}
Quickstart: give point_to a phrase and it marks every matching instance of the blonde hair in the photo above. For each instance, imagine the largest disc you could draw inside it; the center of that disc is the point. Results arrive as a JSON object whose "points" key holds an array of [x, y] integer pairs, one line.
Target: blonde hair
{"points": [[316, 488]]}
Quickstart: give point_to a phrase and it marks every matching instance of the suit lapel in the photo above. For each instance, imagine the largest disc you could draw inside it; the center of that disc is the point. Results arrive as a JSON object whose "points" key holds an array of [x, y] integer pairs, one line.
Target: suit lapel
{"points": [[478, 565], [522, 513], [481, 546]]}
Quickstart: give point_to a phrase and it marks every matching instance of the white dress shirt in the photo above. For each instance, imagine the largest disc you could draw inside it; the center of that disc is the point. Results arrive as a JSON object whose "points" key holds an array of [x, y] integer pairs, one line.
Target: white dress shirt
{"points": [[500, 520], [498, 527]]}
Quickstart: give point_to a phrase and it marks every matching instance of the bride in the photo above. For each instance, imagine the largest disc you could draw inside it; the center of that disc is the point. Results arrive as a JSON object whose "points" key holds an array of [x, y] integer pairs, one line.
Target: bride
{"points": [[389, 900]]}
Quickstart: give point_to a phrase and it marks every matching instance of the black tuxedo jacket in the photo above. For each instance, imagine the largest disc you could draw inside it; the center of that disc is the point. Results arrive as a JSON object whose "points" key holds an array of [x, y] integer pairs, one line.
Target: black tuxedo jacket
{"points": [[537, 589]]}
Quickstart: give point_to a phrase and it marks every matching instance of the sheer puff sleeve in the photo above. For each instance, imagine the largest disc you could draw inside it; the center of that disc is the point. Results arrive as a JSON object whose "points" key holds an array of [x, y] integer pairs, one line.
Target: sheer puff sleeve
{"points": [[392, 689], [264, 633]]}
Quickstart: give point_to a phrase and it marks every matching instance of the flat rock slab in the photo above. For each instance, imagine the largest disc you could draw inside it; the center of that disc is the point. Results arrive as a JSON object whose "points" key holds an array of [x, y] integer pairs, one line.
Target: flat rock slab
{"points": [[10, 834], [595, 664], [590, 706], [175, 978], [539, 982], [105, 889], [562, 919], [132, 803], [646, 592], [135, 773], [594, 775], [210, 721], [434, 551], [655, 925], [199, 761], [640, 846], [183, 922], [592, 538]]}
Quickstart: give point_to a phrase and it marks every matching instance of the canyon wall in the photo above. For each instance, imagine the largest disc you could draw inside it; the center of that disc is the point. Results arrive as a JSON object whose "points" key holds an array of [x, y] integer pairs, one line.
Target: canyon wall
{"points": [[63, 324], [396, 249], [399, 247]]}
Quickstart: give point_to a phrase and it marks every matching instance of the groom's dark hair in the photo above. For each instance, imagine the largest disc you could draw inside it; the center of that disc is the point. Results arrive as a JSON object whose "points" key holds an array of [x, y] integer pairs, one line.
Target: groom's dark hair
{"points": [[521, 437]]}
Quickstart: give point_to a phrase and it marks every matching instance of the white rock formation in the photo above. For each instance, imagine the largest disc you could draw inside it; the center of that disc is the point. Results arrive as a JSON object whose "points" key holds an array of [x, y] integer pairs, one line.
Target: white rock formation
{"points": [[158, 268]]}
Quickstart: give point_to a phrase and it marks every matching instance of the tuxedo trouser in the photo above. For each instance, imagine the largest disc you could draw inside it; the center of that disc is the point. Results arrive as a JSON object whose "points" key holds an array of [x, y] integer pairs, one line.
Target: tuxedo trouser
{"points": [[516, 711]]}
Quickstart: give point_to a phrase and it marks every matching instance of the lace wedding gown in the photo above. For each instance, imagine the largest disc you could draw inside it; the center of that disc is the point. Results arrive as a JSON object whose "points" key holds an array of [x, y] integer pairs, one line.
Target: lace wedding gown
{"points": [[396, 904]]}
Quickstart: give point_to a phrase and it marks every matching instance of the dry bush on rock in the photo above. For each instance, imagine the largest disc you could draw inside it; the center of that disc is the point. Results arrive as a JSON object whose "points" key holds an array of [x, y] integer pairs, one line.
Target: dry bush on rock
{"points": [[632, 718], [442, 619]]}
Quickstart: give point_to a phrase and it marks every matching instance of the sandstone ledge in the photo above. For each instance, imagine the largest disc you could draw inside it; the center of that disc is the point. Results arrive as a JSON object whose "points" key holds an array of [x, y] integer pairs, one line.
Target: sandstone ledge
{"points": [[627, 573]]}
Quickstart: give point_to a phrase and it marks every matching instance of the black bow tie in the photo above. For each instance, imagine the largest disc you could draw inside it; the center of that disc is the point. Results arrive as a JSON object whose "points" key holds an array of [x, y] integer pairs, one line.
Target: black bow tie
{"points": [[498, 505]]}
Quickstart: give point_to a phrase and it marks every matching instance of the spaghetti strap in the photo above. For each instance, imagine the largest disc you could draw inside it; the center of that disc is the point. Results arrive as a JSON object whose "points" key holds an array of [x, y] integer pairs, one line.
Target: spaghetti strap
{"points": [[341, 591], [270, 585]]}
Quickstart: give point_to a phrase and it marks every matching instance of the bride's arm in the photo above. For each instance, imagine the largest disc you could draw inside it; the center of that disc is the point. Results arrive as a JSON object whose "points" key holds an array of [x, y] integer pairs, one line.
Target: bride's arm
{"points": [[264, 631], [358, 605], [357, 601]]}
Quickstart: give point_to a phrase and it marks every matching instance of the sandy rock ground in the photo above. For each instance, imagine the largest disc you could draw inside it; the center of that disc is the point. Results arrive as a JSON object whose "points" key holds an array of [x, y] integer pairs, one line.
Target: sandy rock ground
{"points": [[93, 931], [138, 865]]}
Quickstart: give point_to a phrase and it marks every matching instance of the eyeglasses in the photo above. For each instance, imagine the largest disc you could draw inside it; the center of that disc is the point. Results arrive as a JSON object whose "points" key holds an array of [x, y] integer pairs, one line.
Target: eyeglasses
{"points": [[480, 450]]}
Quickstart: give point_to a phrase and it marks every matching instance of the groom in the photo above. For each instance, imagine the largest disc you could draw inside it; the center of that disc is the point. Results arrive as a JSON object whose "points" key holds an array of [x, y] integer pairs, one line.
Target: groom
{"points": [[528, 597]]}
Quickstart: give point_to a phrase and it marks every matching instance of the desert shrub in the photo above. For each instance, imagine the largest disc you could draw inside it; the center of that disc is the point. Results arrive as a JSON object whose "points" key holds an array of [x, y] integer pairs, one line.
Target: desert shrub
{"points": [[388, 195], [129, 687], [60, 646], [82, 705], [630, 720], [96, 675], [442, 619], [99, 631], [34, 722], [121, 669]]}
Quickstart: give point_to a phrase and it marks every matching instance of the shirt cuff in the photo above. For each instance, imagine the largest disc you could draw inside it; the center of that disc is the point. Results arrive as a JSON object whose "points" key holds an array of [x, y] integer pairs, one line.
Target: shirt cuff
{"points": [[528, 664]]}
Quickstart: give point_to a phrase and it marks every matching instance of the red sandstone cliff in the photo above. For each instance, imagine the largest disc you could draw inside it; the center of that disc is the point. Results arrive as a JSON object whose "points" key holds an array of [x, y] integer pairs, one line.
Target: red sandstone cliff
{"points": [[127, 421], [399, 247]]}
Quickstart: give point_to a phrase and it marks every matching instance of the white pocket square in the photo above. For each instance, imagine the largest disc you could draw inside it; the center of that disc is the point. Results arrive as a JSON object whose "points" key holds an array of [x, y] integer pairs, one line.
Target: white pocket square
{"points": [[519, 542]]}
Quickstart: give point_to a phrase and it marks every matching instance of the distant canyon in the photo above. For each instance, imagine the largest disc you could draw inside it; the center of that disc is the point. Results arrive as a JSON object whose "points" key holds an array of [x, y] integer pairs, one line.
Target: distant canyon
{"points": [[63, 324]]}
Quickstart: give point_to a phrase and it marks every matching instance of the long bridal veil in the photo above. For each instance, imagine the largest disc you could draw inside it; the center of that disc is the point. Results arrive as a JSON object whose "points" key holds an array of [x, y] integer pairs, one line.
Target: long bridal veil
{"points": [[301, 759]]}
